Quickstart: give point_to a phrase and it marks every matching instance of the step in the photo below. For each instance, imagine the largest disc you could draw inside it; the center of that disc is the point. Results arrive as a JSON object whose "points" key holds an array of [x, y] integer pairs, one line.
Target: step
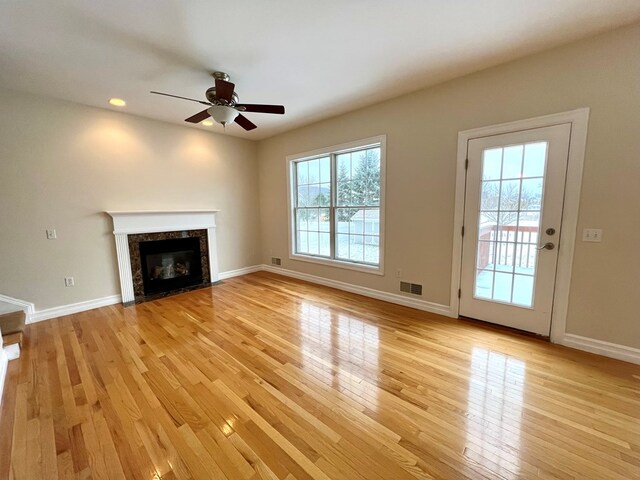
{"points": [[12, 322]]}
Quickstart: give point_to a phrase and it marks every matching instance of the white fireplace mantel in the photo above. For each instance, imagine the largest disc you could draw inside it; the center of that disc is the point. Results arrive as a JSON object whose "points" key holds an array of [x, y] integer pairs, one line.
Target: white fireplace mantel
{"points": [[153, 221]]}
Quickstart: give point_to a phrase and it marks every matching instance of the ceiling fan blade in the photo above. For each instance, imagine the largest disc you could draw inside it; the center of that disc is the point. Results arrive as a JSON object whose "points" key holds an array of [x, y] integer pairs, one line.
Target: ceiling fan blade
{"points": [[224, 90], [183, 98], [253, 108], [245, 123], [198, 117]]}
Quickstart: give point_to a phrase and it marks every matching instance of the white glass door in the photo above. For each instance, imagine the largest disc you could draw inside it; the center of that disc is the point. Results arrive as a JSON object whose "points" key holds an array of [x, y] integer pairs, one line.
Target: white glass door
{"points": [[512, 224]]}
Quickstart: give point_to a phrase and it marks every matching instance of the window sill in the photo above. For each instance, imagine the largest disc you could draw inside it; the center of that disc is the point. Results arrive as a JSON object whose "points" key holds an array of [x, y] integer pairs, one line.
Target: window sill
{"points": [[339, 264]]}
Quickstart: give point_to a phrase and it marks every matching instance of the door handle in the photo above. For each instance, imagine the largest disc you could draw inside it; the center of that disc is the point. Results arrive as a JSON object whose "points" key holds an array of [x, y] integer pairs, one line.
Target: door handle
{"points": [[547, 246]]}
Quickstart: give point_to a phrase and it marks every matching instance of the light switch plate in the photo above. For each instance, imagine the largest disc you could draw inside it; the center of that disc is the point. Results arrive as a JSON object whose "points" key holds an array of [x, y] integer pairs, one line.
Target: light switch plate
{"points": [[51, 234], [592, 235]]}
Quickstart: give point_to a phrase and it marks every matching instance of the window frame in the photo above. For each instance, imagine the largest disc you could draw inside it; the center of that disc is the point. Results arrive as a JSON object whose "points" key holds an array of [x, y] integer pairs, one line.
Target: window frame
{"points": [[332, 152]]}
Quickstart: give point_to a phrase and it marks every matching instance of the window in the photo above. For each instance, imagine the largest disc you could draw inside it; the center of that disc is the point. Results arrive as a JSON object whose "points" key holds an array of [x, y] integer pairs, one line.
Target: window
{"points": [[337, 205]]}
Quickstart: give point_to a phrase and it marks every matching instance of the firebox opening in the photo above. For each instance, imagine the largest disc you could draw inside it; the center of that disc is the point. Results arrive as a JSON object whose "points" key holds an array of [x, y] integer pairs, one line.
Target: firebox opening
{"points": [[171, 264]]}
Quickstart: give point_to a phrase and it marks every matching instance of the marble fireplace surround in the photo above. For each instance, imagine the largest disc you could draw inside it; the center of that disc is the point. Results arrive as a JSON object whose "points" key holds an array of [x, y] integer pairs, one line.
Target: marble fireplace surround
{"points": [[140, 222]]}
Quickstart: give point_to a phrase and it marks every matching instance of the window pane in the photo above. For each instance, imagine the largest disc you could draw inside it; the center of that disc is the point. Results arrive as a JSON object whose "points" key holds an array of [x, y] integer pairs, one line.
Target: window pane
{"points": [[303, 246], [371, 249], [325, 170], [325, 244], [313, 243], [303, 173], [372, 221], [319, 195], [343, 215], [344, 192], [342, 246], [314, 171], [356, 222], [356, 248], [324, 220], [303, 196], [301, 220]]}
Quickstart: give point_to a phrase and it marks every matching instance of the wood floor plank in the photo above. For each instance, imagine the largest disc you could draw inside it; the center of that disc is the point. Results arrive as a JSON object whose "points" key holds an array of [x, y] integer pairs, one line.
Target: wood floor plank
{"points": [[266, 377]]}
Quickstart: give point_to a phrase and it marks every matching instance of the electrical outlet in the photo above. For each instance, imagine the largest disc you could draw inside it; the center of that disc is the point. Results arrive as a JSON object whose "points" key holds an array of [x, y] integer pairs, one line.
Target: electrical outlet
{"points": [[398, 273], [592, 235], [51, 234], [69, 282]]}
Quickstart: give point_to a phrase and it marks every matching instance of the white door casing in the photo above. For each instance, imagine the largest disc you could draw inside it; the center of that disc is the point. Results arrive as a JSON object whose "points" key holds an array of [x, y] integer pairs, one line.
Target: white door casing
{"points": [[513, 206], [579, 120]]}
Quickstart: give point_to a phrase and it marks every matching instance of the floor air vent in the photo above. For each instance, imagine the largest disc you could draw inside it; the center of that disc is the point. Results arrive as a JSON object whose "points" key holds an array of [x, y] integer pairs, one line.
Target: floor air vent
{"points": [[276, 261], [412, 288]]}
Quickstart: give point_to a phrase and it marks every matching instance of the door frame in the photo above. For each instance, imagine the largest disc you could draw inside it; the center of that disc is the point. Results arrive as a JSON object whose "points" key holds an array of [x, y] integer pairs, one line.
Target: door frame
{"points": [[579, 120]]}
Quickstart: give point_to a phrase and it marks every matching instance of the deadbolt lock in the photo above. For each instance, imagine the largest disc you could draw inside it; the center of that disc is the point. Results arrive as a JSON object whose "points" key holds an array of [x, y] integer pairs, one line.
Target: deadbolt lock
{"points": [[550, 231]]}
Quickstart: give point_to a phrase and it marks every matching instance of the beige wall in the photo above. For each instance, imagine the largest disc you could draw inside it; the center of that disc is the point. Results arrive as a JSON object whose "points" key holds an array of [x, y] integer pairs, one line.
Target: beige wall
{"points": [[602, 73], [62, 165]]}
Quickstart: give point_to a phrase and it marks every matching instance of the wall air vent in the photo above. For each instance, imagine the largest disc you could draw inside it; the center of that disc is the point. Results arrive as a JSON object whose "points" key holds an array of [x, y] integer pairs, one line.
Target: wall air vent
{"points": [[276, 261], [412, 288]]}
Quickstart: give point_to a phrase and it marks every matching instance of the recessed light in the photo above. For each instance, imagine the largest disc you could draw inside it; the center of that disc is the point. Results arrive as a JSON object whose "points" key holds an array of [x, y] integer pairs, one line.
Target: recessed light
{"points": [[207, 123], [117, 102]]}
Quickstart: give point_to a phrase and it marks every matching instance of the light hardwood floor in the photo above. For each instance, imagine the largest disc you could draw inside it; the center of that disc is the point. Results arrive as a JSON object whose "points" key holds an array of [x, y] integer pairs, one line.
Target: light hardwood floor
{"points": [[268, 377]]}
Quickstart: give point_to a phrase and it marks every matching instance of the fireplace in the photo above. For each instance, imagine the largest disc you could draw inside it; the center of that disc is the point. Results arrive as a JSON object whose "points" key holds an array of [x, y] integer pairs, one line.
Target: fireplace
{"points": [[169, 265], [161, 253]]}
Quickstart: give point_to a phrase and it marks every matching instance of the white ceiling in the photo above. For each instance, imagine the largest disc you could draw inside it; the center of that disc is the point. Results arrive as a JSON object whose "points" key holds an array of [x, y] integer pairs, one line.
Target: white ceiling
{"points": [[318, 58]]}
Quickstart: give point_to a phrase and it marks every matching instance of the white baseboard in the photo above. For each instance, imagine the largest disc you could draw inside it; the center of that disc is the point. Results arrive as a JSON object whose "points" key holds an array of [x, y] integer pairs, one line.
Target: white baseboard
{"points": [[239, 271], [28, 307], [613, 350], [4, 362], [367, 292], [607, 349], [62, 310]]}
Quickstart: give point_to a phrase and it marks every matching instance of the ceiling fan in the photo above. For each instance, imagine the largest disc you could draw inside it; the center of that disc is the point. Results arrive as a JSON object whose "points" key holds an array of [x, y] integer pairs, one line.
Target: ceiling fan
{"points": [[223, 104]]}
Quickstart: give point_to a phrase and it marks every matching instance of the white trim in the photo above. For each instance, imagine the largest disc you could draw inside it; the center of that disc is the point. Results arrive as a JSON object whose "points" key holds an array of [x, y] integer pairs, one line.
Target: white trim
{"points": [[239, 272], [367, 292], [28, 307], [579, 120], [600, 347], [336, 149], [54, 312], [358, 267], [4, 363]]}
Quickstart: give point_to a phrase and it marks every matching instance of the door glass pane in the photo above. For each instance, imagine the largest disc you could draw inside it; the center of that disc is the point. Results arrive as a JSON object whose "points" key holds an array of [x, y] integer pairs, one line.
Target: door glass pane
{"points": [[502, 287], [509, 223], [535, 156], [492, 164], [523, 290], [512, 162]]}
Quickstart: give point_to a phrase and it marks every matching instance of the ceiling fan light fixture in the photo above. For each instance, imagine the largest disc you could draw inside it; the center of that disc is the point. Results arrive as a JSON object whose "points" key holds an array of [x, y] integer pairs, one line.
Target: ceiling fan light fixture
{"points": [[207, 123], [223, 114]]}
